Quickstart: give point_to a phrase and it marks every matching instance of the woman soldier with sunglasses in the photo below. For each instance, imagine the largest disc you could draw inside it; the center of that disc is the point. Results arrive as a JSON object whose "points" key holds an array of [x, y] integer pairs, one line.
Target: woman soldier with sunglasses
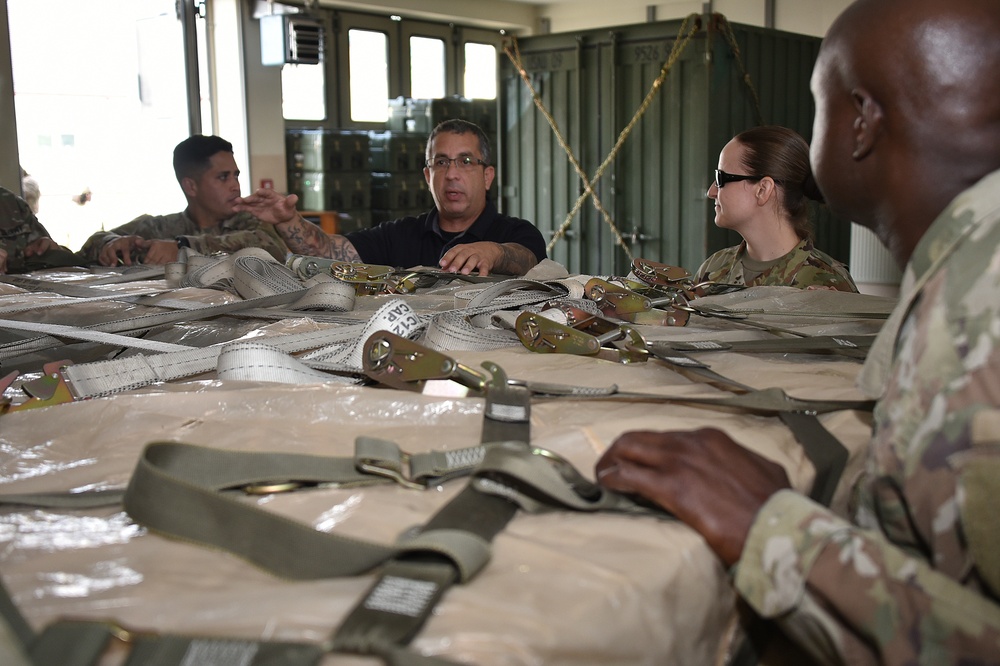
{"points": [[761, 189]]}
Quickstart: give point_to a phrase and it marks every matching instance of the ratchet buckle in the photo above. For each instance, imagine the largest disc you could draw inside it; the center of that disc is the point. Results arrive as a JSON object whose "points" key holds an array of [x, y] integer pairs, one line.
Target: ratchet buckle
{"points": [[401, 363], [45, 391]]}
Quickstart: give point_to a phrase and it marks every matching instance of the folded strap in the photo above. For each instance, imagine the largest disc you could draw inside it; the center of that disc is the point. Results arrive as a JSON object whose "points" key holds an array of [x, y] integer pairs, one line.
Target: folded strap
{"points": [[457, 537], [70, 643], [853, 345]]}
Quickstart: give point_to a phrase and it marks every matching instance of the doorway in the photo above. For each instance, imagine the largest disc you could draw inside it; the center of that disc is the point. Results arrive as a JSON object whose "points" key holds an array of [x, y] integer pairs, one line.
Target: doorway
{"points": [[100, 102]]}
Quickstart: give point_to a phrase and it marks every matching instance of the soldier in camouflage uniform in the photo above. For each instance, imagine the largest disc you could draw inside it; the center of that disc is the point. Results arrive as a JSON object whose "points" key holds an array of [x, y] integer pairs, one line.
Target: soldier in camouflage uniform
{"points": [[805, 266], [909, 148], [22, 236], [761, 191], [208, 175]]}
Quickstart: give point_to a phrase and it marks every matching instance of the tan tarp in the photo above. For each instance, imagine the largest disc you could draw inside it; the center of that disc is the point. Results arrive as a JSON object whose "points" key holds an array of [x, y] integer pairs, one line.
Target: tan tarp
{"points": [[561, 588]]}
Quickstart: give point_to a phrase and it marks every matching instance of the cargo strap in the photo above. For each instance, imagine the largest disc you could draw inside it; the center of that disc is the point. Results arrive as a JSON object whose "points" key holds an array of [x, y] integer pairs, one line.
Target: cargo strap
{"points": [[453, 546], [827, 454], [819, 343], [260, 281], [451, 330], [413, 575]]}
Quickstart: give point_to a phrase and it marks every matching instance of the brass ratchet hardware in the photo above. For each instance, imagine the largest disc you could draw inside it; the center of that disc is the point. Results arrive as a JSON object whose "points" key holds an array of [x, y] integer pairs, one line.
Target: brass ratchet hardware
{"points": [[613, 299], [656, 274], [45, 391], [271, 488], [623, 303], [587, 337], [404, 364]]}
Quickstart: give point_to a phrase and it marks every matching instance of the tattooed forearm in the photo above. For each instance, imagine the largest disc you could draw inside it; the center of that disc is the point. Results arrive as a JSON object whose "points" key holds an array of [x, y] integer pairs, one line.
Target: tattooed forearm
{"points": [[341, 249], [306, 238], [515, 259]]}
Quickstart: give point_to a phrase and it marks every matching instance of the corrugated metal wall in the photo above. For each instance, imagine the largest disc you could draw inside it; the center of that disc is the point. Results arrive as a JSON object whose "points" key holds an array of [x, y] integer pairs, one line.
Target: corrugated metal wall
{"points": [[655, 190]]}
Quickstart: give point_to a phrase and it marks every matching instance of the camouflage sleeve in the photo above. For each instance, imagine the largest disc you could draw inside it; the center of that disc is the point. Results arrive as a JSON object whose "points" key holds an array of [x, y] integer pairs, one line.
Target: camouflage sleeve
{"points": [[850, 596], [818, 273], [91, 249], [18, 228], [264, 237], [720, 267]]}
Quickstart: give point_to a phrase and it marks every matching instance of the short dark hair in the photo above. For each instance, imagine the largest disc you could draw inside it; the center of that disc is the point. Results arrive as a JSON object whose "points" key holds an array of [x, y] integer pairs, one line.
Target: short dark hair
{"points": [[192, 156], [459, 126], [782, 154]]}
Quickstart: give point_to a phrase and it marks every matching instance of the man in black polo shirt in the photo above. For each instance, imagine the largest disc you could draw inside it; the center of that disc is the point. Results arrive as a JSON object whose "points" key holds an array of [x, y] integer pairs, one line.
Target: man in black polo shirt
{"points": [[462, 233]]}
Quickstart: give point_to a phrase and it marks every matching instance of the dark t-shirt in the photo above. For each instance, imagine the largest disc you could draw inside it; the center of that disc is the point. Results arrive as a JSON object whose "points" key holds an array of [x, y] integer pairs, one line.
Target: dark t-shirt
{"points": [[418, 241]]}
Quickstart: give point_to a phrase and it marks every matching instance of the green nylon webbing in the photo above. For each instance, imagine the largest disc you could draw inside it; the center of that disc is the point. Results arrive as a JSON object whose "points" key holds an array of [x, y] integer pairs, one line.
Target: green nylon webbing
{"points": [[828, 455], [410, 585], [855, 346]]}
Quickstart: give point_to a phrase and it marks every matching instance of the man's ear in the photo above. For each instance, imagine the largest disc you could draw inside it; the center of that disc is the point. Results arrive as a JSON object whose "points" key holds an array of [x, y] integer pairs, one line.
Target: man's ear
{"points": [[489, 173], [189, 186], [867, 124]]}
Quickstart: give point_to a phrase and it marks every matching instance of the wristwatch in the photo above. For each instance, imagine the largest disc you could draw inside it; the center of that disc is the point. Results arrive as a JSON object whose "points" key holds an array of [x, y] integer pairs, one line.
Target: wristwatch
{"points": [[182, 241]]}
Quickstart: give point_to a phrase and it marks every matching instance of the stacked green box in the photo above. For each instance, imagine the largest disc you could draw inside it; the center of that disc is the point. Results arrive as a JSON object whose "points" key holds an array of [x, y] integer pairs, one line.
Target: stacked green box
{"points": [[330, 170]]}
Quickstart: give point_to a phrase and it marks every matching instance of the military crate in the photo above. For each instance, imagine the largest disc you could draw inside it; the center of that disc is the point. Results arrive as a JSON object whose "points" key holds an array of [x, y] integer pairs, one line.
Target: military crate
{"points": [[327, 150], [322, 190], [420, 116], [400, 190], [397, 151]]}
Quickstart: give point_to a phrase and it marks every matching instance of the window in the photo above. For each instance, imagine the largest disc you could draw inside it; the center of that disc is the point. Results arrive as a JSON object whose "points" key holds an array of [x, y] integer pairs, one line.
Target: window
{"points": [[369, 75], [303, 92], [480, 71], [427, 68], [83, 124]]}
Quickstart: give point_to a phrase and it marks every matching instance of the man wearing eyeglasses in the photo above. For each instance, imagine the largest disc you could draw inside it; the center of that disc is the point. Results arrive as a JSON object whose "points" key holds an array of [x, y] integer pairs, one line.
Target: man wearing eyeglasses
{"points": [[464, 233]]}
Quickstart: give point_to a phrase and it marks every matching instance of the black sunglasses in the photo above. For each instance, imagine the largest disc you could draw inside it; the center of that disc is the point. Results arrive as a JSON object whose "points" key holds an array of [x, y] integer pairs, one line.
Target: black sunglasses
{"points": [[721, 178]]}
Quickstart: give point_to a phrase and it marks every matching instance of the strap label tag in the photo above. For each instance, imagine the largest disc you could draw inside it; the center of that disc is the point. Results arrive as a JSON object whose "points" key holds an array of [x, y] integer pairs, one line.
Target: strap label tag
{"points": [[402, 596]]}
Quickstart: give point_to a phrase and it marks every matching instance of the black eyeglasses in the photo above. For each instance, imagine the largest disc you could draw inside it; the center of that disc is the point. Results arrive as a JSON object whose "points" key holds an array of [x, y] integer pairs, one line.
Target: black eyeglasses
{"points": [[462, 162], [721, 178]]}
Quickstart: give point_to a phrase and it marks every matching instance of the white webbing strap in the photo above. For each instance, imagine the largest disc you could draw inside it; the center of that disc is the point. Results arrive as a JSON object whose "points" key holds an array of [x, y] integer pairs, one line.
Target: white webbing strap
{"points": [[324, 292], [130, 297], [341, 346], [465, 330], [260, 280], [91, 380], [256, 361], [128, 324], [202, 271], [89, 335], [396, 316]]}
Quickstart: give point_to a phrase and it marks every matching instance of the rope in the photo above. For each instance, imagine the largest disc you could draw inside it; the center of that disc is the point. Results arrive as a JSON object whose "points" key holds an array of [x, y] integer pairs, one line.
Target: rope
{"points": [[513, 53], [689, 28], [730, 37]]}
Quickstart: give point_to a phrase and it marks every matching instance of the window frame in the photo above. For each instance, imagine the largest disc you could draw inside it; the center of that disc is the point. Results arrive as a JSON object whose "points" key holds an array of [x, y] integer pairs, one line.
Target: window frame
{"points": [[336, 64]]}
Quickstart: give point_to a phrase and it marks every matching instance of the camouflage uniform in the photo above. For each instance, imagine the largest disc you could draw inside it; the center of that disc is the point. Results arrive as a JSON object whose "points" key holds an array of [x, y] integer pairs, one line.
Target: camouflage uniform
{"points": [[18, 228], [916, 578], [804, 266], [235, 233]]}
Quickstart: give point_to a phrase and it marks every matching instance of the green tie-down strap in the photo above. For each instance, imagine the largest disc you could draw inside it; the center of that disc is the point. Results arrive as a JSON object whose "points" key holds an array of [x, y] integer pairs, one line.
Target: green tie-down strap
{"points": [[855, 346], [196, 493], [184, 491], [83, 643], [376, 461]]}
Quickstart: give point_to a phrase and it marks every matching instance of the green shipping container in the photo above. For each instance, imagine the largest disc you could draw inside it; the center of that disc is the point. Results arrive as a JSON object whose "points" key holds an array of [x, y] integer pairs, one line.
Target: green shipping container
{"points": [[593, 83]]}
